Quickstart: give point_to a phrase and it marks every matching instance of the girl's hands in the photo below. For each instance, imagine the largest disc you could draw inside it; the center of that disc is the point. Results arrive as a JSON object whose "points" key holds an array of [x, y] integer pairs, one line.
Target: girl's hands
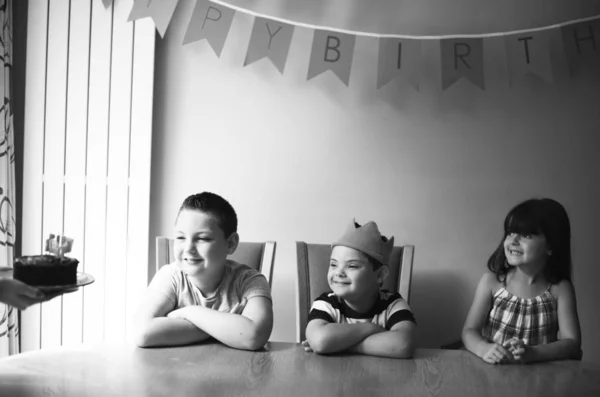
{"points": [[497, 354], [519, 350]]}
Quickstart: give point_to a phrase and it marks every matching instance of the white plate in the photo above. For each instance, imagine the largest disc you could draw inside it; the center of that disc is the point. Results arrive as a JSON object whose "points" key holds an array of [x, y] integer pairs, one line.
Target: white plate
{"points": [[82, 279]]}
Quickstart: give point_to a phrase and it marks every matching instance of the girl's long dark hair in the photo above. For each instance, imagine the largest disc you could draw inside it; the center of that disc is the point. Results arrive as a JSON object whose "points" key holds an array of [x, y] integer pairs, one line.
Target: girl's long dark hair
{"points": [[538, 216]]}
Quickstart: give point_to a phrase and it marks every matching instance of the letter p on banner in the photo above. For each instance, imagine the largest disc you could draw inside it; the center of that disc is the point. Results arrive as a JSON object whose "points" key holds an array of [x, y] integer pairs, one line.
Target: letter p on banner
{"points": [[211, 22]]}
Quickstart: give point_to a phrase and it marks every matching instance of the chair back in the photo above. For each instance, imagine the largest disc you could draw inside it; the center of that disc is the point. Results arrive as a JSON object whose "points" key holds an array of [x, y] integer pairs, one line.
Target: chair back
{"points": [[313, 264], [259, 256]]}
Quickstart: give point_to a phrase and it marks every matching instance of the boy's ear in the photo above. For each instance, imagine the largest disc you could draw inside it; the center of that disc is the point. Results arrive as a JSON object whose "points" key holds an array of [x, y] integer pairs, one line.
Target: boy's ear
{"points": [[382, 273], [233, 240]]}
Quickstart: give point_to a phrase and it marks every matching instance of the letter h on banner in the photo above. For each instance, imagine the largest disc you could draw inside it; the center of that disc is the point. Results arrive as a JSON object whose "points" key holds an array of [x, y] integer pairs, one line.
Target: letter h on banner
{"points": [[581, 42]]}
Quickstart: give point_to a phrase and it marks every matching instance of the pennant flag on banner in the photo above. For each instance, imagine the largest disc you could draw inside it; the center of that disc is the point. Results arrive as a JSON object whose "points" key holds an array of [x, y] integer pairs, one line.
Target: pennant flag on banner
{"points": [[398, 57], [160, 11], [331, 51], [106, 3], [210, 22], [269, 39], [581, 42], [462, 57], [528, 52]]}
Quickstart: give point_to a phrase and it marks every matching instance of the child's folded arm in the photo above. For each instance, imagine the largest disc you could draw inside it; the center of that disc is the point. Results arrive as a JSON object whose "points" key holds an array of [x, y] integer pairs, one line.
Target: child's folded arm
{"points": [[154, 329], [249, 330], [399, 342], [325, 337], [482, 303]]}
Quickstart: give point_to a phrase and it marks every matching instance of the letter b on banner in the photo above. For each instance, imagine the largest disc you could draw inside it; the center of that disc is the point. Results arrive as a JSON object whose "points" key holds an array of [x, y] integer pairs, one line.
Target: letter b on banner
{"points": [[331, 51], [332, 46]]}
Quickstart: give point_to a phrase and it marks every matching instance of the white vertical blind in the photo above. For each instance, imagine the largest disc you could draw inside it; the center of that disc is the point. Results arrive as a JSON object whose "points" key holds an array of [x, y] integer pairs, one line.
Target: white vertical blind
{"points": [[88, 117], [33, 168]]}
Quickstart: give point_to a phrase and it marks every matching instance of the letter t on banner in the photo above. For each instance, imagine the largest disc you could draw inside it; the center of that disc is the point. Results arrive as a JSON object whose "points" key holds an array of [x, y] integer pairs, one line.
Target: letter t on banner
{"points": [[331, 51], [462, 58], [210, 22], [269, 39], [528, 53], [161, 12]]}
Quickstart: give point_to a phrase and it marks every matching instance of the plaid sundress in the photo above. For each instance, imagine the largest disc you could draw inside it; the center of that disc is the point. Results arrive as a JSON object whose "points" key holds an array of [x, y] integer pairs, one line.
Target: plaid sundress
{"points": [[534, 320]]}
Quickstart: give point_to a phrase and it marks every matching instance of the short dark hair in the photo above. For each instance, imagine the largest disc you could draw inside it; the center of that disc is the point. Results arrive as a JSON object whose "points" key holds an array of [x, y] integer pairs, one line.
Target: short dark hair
{"points": [[543, 216], [214, 205]]}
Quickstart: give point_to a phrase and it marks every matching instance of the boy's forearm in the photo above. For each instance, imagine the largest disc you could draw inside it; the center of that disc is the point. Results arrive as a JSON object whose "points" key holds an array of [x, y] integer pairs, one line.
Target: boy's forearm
{"points": [[474, 342], [234, 330], [564, 349], [332, 338], [392, 344], [163, 331]]}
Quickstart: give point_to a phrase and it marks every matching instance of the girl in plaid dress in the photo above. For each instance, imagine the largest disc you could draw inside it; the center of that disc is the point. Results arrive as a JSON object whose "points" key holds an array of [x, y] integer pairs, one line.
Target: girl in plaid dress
{"points": [[526, 298]]}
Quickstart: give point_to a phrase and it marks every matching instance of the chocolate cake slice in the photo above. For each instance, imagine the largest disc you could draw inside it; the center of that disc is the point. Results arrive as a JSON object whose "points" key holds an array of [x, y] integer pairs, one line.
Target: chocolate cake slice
{"points": [[45, 270]]}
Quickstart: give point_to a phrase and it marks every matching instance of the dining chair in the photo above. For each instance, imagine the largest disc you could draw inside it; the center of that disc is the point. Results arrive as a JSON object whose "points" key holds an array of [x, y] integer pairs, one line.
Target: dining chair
{"points": [[259, 256], [312, 267]]}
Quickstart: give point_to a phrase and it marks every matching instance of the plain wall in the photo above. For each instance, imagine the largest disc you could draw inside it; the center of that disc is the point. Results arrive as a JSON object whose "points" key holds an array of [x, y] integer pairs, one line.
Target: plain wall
{"points": [[298, 159]]}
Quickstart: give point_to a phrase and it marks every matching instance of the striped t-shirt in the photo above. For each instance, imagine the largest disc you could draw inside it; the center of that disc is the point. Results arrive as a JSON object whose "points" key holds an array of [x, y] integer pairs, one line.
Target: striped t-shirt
{"points": [[389, 309]]}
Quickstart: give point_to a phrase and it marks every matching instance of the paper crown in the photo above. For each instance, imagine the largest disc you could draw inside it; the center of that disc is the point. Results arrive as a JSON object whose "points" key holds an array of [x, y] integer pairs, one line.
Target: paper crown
{"points": [[368, 240]]}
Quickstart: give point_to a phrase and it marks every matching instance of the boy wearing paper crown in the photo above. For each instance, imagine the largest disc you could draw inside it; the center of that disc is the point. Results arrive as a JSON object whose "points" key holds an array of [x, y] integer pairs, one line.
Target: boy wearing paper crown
{"points": [[356, 316]]}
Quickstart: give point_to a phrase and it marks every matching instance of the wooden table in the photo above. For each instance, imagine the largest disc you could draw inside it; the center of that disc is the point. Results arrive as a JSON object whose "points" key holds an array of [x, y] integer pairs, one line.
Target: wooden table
{"points": [[281, 370]]}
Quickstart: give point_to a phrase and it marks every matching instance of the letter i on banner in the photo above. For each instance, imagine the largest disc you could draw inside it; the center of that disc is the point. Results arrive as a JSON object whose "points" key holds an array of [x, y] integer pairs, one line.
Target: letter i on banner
{"points": [[528, 52], [331, 51], [161, 12], [398, 57], [462, 57], [269, 39], [211, 22], [581, 42]]}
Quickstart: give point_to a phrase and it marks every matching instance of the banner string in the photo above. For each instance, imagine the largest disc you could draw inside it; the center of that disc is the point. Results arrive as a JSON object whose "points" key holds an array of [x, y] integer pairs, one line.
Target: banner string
{"points": [[399, 36]]}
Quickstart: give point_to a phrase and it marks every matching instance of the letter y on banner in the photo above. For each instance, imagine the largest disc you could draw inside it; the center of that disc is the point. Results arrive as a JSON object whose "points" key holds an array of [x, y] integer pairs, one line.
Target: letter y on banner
{"points": [[331, 51], [269, 39], [161, 12], [211, 22]]}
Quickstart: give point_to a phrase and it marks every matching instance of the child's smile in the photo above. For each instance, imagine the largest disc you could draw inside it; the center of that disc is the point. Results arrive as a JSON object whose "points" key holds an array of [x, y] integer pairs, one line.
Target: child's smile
{"points": [[525, 248], [350, 276], [200, 244]]}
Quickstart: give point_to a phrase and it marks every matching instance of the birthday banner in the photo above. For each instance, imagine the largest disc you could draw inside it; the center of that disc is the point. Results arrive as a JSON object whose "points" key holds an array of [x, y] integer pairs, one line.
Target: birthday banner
{"points": [[527, 51]]}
